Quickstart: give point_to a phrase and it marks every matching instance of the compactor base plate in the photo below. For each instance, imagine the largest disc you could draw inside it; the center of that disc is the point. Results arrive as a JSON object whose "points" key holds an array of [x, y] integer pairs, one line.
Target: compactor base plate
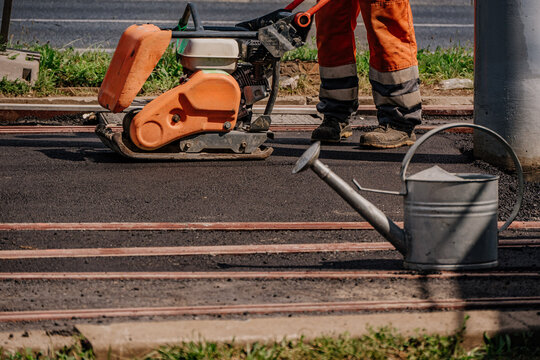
{"points": [[117, 142]]}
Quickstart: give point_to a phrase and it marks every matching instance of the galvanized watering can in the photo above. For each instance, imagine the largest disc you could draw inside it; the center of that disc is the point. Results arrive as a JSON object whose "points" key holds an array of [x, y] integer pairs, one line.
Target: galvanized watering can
{"points": [[450, 220]]}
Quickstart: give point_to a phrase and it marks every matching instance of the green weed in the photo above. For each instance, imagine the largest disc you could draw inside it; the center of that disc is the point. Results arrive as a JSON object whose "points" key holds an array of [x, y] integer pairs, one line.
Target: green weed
{"points": [[13, 88], [381, 344], [456, 62], [384, 343], [63, 68], [166, 74], [80, 350], [303, 53], [66, 68]]}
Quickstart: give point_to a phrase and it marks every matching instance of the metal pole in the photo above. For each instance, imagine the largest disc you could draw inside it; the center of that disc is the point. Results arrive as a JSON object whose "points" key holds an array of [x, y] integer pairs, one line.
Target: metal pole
{"points": [[6, 17], [507, 81]]}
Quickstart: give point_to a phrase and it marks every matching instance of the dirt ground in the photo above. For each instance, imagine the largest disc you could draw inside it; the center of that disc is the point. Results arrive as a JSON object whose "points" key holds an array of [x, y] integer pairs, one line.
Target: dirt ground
{"points": [[508, 184], [308, 82]]}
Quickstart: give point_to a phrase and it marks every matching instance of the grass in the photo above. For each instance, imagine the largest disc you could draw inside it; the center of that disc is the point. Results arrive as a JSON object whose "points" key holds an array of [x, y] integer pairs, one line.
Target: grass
{"points": [[456, 62], [79, 351], [64, 69], [378, 345], [166, 74], [61, 68], [303, 53], [384, 343]]}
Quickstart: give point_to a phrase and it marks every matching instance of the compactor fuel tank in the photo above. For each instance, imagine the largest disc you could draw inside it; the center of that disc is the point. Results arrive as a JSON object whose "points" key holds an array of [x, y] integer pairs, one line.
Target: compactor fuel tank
{"points": [[137, 54]]}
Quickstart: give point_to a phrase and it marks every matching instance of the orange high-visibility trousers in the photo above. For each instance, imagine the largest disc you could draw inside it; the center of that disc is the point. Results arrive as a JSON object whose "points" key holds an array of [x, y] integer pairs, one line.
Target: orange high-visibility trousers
{"points": [[393, 65]]}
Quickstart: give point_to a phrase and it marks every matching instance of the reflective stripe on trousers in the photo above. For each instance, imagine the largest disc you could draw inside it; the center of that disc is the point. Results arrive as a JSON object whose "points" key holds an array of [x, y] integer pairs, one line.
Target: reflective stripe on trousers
{"points": [[339, 90]]}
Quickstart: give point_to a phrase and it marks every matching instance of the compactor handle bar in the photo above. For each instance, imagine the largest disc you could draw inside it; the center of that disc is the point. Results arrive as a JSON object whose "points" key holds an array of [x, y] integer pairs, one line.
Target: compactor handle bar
{"points": [[181, 31], [304, 19]]}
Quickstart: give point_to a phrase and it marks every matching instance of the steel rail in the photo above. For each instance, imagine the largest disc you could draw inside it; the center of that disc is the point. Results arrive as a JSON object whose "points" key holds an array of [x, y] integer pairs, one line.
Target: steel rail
{"points": [[310, 127], [192, 250], [215, 226], [345, 306], [447, 110], [48, 129], [190, 226], [220, 250], [218, 275], [63, 129]]}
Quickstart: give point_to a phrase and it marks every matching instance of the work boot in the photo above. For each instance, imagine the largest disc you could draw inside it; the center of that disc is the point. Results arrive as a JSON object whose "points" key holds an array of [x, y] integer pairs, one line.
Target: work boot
{"points": [[387, 137], [331, 130]]}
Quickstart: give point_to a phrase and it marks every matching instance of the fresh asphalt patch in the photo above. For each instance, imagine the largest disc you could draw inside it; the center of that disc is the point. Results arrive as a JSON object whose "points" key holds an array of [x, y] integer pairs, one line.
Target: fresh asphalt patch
{"points": [[74, 178]]}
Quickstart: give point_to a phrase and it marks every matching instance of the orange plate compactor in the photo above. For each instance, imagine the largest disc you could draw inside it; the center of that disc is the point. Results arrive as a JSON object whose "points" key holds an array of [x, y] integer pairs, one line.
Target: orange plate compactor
{"points": [[209, 114]]}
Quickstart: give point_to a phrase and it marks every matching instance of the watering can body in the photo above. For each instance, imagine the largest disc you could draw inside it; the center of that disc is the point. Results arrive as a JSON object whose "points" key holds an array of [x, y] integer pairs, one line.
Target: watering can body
{"points": [[450, 221]]}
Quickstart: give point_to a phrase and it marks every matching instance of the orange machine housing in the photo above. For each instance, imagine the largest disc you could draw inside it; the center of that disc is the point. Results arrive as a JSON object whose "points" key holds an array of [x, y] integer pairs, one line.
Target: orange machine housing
{"points": [[137, 54], [204, 103]]}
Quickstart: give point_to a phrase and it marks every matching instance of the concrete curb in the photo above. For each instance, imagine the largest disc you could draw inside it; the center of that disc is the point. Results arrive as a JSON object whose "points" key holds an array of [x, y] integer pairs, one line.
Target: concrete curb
{"points": [[136, 339], [12, 109], [131, 339], [285, 100]]}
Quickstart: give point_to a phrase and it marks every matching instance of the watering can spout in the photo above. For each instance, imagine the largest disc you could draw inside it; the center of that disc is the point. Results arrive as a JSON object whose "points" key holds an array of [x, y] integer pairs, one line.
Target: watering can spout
{"points": [[366, 209]]}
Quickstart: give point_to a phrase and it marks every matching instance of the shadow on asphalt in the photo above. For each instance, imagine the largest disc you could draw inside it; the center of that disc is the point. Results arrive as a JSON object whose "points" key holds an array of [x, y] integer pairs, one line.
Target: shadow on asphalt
{"points": [[54, 146], [84, 155], [47, 141], [385, 156], [364, 264]]}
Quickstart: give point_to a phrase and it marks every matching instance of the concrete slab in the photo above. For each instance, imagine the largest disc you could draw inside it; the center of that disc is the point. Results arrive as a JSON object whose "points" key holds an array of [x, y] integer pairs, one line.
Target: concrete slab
{"points": [[137, 338], [19, 65]]}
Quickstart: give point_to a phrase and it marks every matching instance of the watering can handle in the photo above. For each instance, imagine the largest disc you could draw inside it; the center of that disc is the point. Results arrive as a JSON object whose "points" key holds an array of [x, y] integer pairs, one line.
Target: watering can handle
{"points": [[410, 154]]}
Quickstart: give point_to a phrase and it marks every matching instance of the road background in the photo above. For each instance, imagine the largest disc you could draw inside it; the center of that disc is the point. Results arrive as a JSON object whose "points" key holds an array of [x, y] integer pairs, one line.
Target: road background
{"points": [[98, 24]]}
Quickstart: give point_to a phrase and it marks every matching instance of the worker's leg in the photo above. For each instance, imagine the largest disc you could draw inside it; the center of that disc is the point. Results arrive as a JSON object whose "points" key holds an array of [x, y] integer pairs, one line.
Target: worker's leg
{"points": [[393, 72], [336, 45]]}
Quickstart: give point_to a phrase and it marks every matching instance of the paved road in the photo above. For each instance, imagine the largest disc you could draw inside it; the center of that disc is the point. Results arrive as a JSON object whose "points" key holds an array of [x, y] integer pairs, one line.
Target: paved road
{"points": [[98, 23], [74, 178], [70, 178]]}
